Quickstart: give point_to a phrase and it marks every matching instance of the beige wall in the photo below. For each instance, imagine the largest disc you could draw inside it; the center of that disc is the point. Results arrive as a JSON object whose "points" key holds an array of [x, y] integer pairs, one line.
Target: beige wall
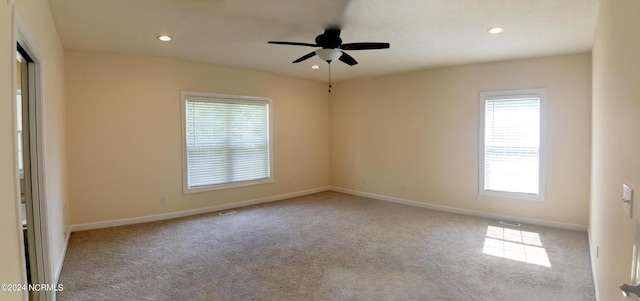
{"points": [[11, 269], [124, 134], [616, 120], [37, 25], [414, 136]]}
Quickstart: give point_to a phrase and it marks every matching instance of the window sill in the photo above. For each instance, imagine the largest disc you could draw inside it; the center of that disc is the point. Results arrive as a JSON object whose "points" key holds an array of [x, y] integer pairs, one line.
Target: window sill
{"points": [[197, 189], [512, 195]]}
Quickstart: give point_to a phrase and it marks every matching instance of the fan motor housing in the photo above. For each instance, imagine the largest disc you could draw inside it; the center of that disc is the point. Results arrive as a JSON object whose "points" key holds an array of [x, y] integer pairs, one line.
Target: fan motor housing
{"points": [[326, 41]]}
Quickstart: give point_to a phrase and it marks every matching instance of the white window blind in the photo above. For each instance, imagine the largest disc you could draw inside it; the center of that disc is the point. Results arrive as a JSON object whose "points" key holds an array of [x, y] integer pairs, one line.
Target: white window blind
{"points": [[227, 142], [511, 150]]}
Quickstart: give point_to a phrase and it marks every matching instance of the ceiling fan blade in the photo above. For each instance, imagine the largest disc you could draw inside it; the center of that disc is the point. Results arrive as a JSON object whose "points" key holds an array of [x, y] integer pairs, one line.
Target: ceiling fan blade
{"points": [[304, 57], [293, 43], [347, 59], [364, 46]]}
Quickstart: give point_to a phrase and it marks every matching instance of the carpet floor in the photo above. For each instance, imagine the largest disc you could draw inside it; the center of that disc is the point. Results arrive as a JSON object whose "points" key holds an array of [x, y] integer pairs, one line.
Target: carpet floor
{"points": [[328, 246]]}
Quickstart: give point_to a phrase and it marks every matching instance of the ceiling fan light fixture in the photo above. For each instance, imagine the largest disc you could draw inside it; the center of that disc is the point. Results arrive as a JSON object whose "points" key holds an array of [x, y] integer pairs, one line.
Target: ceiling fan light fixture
{"points": [[329, 55], [332, 49]]}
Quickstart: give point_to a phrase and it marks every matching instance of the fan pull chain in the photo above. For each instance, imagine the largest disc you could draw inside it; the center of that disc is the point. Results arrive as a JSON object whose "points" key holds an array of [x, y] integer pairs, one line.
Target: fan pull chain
{"points": [[329, 76]]}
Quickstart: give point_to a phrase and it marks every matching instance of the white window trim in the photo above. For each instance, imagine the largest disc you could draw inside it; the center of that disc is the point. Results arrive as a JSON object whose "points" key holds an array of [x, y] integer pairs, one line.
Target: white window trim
{"points": [[232, 98], [509, 94]]}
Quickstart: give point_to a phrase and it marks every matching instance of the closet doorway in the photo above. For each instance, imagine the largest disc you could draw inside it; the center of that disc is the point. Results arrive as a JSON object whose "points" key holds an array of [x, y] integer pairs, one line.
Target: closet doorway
{"points": [[28, 169]]}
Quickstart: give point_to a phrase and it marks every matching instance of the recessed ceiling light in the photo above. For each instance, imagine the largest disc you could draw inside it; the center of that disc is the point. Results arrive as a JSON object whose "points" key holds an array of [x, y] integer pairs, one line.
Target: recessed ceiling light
{"points": [[315, 67], [496, 30], [164, 38]]}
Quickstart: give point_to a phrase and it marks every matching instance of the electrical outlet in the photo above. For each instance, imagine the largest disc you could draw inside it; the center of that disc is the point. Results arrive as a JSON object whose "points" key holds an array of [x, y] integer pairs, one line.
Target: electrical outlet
{"points": [[163, 199]]}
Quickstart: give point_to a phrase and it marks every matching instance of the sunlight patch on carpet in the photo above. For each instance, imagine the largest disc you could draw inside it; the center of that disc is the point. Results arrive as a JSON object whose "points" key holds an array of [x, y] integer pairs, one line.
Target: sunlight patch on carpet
{"points": [[515, 245]]}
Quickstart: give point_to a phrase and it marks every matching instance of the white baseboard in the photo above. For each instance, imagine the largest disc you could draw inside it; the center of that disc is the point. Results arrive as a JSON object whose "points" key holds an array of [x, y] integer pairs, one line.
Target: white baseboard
{"points": [[58, 271], [64, 253], [593, 265], [165, 216], [523, 220]]}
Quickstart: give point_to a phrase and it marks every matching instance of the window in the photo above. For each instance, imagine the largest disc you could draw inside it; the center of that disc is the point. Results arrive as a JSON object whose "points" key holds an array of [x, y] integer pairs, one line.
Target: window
{"points": [[19, 127], [510, 151], [227, 141]]}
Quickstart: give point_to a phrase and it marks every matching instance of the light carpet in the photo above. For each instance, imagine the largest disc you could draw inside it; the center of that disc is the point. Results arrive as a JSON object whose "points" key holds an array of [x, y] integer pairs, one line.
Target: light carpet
{"points": [[328, 246]]}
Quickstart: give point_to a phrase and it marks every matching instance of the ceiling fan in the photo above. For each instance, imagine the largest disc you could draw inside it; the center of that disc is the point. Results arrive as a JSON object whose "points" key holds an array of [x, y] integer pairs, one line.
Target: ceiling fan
{"points": [[332, 47]]}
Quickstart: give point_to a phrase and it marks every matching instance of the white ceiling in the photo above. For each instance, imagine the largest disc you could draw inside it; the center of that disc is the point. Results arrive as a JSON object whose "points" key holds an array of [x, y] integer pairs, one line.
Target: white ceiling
{"points": [[422, 33]]}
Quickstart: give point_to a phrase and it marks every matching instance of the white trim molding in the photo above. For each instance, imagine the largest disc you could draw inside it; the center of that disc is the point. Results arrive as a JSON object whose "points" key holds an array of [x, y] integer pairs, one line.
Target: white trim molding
{"points": [[45, 266], [165, 216], [593, 255], [58, 271], [514, 99], [530, 221]]}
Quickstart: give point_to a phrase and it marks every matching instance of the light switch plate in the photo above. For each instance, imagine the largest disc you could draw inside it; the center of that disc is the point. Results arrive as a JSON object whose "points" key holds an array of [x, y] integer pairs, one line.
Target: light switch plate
{"points": [[627, 199]]}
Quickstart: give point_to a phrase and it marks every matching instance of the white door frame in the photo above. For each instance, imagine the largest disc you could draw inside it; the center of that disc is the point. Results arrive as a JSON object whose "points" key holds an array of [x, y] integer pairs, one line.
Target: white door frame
{"points": [[37, 156]]}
